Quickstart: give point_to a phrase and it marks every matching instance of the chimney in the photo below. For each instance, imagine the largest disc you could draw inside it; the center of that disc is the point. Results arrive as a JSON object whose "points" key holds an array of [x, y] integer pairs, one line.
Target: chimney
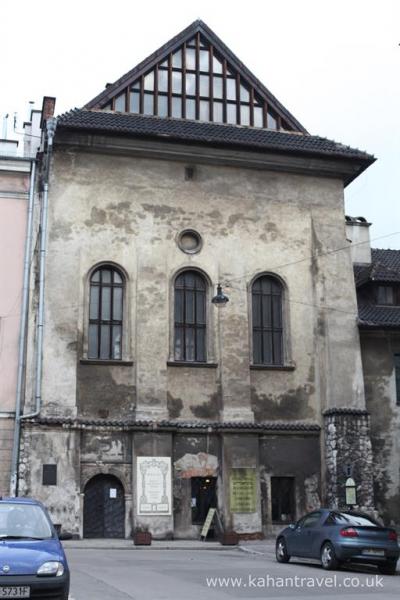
{"points": [[357, 233], [48, 108]]}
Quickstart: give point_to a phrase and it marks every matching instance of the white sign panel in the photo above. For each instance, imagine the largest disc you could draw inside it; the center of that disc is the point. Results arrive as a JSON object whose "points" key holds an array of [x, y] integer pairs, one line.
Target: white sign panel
{"points": [[113, 493], [153, 477]]}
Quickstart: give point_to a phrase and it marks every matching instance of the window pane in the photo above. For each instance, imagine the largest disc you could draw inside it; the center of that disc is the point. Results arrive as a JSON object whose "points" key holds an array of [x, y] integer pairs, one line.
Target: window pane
{"points": [[189, 306], [179, 347], [256, 310], [204, 85], [190, 84], [162, 106], [190, 109], [204, 60], [134, 102], [164, 64], [217, 65], [117, 277], [189, 345], [177, 108], [105, 303], [116, 342], [177, 59], [148, 104], [217, 87], [230, 89], [120, 103], [204, 110], [96, 276], [201, 345], [276, 310], [266, 311], [163, 81], [149, 81], [271, 121], [244, 114], [179, 306], [93, 341], [200, 308], [190, 58], [136, 85], [258, 116], [176, 82], [94, 302], [106, 276], [218, 112], [117, 304], [105, 341], [231, 113], [244, 94], [257, 357], [267, 342], [277, 337]]}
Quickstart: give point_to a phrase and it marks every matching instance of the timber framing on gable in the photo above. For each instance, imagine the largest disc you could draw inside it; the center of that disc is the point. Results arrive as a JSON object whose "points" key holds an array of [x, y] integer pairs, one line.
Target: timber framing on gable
{"points": [[196, 76]]}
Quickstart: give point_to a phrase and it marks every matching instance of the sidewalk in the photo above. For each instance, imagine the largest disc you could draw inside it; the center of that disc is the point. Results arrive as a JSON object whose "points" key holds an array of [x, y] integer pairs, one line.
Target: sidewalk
{"points": [[254, 547]]}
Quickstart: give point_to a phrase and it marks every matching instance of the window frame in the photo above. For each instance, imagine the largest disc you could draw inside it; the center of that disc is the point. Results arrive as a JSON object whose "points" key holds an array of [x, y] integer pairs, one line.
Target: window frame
{"points": [[285, 362], [126, 334]]}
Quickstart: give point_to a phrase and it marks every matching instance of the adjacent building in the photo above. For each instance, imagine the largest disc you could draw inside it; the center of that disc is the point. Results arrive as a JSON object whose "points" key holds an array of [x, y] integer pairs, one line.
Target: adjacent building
{"points": [[149, 403]]}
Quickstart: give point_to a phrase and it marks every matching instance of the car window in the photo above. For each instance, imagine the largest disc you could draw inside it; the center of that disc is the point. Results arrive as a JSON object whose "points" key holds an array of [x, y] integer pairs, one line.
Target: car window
{"points": [[310, 520], [350, 519], [23, 520]]}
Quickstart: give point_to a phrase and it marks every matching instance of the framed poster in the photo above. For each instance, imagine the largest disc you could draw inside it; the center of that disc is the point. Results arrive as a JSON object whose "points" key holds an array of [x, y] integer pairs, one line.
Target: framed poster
{"points": [[243, 490], [153, 484]]}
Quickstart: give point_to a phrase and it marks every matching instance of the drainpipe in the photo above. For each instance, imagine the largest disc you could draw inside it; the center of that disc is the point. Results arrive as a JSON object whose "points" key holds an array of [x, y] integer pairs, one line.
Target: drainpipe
{"points": [[51, 127]]}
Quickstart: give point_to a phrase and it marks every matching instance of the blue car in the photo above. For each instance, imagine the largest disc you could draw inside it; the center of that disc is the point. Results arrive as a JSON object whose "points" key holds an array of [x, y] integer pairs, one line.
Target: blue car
{"points": [[335, 537], [32, 559]]}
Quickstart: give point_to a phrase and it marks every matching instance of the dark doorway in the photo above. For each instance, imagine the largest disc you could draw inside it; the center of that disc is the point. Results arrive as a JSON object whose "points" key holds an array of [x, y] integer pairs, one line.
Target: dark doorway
{"points": [[204, 497], [104, 508], [282, 499]]}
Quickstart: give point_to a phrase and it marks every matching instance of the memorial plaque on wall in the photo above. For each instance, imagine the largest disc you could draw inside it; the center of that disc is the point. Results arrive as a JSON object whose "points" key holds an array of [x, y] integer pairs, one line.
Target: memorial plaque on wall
{"points": [[242, 490], [153, 484]]}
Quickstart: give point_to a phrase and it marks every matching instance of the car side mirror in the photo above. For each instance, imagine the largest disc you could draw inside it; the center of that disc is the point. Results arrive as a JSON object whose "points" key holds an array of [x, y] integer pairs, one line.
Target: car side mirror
{"points": [[64, 535], [293, 525]]}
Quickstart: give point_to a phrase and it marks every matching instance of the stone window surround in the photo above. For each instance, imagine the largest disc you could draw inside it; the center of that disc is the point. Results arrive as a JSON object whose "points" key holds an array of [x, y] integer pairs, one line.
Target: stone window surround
{"points": [[126, 358], [288, 364]]}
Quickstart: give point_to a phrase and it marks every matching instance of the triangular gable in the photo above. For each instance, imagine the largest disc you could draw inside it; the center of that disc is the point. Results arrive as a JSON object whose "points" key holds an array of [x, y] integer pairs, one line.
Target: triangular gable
{"points": [[195, 76]]}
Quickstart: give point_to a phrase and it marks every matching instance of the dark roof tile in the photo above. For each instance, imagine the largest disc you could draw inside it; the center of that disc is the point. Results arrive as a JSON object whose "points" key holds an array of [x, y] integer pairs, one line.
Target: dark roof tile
{"points": [[208, 133], [371, 316]]}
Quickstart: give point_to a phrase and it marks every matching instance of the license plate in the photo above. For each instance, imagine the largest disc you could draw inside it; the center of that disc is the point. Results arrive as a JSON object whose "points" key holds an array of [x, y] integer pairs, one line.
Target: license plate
{"points": [[15, 591], [373, 552]]}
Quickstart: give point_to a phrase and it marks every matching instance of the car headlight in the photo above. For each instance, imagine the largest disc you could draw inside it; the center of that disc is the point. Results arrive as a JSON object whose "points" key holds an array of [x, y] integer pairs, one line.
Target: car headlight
{"points": [[53, 567]]}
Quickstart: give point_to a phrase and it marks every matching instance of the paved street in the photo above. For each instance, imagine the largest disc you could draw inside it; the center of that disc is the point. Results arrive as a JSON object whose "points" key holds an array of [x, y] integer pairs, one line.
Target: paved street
{"points": [[153, 574]]}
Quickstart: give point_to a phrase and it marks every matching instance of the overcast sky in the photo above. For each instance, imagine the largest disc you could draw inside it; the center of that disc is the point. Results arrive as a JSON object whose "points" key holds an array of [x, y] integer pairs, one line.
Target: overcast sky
{"points": [[333, 64]]}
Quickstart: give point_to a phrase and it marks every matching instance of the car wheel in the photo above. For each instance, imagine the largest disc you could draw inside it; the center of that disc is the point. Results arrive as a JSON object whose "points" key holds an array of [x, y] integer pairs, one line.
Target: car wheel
{"points": [[328, 557], [281, 552], [388, 568]]}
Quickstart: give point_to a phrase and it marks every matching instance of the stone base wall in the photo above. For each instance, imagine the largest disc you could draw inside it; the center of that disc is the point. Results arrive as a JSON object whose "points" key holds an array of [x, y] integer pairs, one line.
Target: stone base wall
{"points": [[348, 453]]}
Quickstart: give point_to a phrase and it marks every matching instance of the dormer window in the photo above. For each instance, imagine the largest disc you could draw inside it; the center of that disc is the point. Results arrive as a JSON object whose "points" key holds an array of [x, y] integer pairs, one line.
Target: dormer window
{"points": [[388, 295]]}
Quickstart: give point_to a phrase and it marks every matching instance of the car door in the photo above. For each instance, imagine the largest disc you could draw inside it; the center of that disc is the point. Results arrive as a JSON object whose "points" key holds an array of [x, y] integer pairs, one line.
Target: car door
{"points": [[304, 535]]}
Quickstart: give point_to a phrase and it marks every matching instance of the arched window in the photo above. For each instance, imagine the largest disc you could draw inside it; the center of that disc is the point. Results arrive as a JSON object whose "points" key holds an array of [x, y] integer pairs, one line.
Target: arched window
{"points": [[105, 314], [190, 317], [267, 295]]}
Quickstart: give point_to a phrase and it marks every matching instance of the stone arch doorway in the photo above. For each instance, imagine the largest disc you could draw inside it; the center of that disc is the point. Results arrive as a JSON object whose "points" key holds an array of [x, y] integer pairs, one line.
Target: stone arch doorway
{"points": [[104, 508]]}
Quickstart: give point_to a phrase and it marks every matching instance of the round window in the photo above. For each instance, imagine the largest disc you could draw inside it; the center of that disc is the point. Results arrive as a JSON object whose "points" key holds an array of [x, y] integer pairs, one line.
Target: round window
{"points": [[190, 241]]}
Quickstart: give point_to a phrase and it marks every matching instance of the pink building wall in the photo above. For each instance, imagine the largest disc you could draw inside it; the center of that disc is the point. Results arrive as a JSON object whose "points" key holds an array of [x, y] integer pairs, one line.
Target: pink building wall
{"points": [[14, 187]]}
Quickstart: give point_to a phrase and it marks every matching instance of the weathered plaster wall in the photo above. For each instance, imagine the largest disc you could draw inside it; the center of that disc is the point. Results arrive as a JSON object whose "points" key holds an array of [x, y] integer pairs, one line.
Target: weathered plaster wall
{"points": [[47, 446], [279, 220], [290, 456], [380, 389]]}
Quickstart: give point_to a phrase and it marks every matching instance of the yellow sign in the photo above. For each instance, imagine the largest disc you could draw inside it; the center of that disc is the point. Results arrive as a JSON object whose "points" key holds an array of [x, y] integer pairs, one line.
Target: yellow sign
{"points": [[243, 490]]}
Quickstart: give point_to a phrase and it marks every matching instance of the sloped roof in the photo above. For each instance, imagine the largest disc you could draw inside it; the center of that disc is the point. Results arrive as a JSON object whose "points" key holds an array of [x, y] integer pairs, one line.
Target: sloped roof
{"points": [[371, 316], [194, 28], [384, 268], [210, 133]]}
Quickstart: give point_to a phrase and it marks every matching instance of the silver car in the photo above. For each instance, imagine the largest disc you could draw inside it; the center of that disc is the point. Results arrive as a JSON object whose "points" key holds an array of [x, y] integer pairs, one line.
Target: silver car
{"points": [[336, 537]]}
